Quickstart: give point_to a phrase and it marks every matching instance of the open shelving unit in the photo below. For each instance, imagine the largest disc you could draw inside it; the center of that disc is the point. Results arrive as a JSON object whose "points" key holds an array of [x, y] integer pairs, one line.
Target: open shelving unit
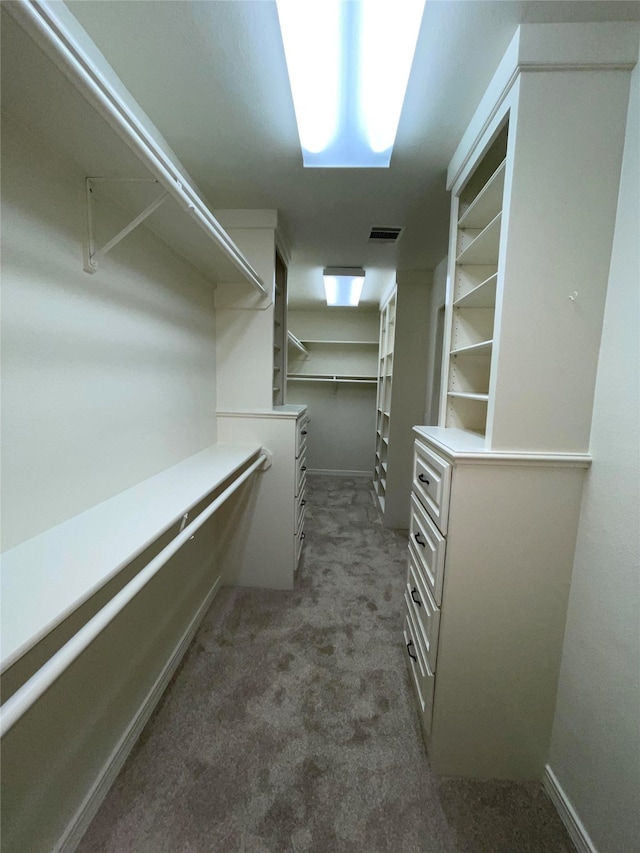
{"points": [[57, 83], [383, 405], [334, 361], [472, 312]]}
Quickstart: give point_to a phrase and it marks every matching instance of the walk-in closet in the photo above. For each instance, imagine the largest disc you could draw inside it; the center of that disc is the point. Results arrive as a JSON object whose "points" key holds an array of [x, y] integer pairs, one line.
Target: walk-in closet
{"points": [[287, 567]]}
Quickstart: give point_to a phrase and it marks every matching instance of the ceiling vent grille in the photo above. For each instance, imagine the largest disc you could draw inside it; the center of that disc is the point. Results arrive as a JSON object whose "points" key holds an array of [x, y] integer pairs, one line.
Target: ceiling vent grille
{"points": [[385, 235]]}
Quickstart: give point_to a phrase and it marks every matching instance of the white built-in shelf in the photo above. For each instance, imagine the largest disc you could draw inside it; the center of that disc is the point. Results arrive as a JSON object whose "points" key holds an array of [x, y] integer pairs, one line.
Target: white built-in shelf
{"points": [[488, 203], [45, 579], [482, 348], [57, 84], [354, 380], [306, 342], [483, 249], [482, 296], [483, 398], [297, 343]]}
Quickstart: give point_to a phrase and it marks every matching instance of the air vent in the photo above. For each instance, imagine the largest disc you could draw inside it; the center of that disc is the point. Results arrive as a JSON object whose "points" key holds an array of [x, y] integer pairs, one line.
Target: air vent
{"points": [[385, 235]]}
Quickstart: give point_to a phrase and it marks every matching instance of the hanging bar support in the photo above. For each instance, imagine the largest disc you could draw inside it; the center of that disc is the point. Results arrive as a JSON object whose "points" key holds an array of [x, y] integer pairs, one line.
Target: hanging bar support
{"points": [[92, 260]]}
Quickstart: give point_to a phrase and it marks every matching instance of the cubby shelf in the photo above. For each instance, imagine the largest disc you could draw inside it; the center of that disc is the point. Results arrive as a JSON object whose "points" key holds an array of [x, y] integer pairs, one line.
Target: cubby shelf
{"points": [[487, 204], [482, 348], [483, 248], [481, 296]]}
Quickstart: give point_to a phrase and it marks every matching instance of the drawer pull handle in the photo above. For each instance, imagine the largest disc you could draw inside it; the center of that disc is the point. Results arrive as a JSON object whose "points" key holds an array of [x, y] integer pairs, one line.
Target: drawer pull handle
{"points": [[419, 540], [413, 657], [303, 503], [304, 432], [303, 468], [423, 479], [417, 601], [303, 535]]}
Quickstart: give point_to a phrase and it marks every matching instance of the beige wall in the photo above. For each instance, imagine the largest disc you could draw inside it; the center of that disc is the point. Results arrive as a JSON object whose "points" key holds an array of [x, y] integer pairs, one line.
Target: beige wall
{"points": [[342, 430], [595, 749], [108, 378]]}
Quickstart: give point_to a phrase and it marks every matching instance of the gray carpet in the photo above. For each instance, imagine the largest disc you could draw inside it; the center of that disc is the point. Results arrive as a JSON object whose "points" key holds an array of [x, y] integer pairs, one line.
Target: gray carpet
{"points": [[290, 725]]}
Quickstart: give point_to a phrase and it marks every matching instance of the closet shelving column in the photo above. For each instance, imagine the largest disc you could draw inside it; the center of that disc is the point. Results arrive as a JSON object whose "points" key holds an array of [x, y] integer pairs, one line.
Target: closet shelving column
{"points": [[280, 338], [383, 407], [473, 309]]}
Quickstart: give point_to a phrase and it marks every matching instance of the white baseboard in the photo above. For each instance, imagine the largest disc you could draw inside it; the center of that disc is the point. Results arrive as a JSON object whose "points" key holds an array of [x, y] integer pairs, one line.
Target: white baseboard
{"points": [[98, 791], [339, 473], [568, 814]]}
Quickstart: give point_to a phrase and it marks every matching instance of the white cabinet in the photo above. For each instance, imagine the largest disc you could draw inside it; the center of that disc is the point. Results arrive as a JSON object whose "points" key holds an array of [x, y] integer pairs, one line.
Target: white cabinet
{"points": [[531, 227], [262, 533], [488, 576], [402, 360], [497, 486]]}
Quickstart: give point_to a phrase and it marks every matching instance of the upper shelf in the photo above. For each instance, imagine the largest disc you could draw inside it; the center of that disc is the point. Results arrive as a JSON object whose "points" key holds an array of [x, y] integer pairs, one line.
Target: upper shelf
{"points": [[56, 83], [487, 204], [341, 343], [297, 343]]}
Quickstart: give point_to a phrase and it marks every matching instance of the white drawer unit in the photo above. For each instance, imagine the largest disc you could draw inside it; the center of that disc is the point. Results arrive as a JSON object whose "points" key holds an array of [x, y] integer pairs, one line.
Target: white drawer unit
{"points": [[485, 603], [432, 483], [302, 430], [427, 545]]}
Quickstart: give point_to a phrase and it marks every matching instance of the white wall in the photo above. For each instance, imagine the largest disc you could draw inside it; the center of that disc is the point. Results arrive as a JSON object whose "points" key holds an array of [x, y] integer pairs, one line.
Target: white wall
{"points": [[595, 749], [106, 379], [436, 314], [342, 430]]}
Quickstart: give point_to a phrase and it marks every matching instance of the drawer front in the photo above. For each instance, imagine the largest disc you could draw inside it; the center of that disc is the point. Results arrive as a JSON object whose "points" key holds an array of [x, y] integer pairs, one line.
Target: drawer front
{"points": [[428, 547], [301, 474], [425, 611], [423, 679], [299, 544], [432, 483], [302, 429], [302, 503]]}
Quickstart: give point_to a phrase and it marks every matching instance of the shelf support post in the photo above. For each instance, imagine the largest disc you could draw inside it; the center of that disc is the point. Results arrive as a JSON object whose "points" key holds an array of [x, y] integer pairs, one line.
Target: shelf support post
{"points": [[94, 254]]}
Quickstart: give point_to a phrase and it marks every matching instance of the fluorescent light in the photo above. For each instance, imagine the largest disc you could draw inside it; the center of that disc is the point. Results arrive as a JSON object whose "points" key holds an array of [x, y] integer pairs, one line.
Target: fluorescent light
{"points": [[388, 43], [349, 64], [343, 285]]}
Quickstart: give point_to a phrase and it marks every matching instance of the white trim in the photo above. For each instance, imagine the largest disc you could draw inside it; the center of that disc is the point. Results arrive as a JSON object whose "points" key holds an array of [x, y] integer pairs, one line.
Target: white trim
{"points": [[334, 472], [568, 814], [88, 809]]}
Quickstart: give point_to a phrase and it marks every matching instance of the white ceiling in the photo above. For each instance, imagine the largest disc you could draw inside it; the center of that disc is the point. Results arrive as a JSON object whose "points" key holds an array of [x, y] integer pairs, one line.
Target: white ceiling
{"points": [[212, 77]]}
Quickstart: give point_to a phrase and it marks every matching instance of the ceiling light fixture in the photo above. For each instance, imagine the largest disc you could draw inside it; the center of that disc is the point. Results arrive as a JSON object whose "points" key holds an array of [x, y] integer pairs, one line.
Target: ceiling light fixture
{"points": [[343, 285], [349, 64]]}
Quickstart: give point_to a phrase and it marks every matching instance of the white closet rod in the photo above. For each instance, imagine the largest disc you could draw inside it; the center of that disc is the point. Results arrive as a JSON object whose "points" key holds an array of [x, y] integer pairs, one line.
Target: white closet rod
{"points": [[40, 681], [40, 18]]}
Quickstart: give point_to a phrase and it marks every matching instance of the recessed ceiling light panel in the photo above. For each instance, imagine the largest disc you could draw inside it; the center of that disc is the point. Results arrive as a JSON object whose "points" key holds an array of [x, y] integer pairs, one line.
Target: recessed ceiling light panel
{"points": [[349, 64], [343, 285]]}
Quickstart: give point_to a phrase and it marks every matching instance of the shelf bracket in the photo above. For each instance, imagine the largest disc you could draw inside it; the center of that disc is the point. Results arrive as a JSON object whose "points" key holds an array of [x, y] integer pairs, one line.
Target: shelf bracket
{"points": [[93, 254]]}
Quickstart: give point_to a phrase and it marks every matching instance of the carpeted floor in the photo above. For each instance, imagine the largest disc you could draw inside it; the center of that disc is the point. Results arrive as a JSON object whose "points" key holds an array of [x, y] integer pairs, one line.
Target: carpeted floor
{"points": [[290, 725]]}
